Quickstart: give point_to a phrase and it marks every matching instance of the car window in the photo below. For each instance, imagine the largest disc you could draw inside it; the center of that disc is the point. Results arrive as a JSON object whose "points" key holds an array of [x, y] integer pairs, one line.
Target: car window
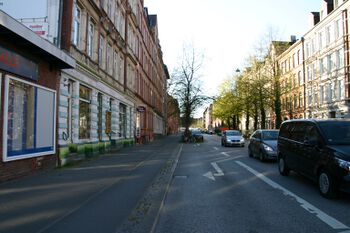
{"points": [[196, 132], [233, 133], [297, 132], [285, 130], [270, 135], [258, 135], [336, 132], [312, 136]]}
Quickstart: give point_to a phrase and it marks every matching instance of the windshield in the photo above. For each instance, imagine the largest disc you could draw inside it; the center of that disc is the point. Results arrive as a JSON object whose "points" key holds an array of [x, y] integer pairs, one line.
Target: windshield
{"points": [[233, 133], [336, 132], [270, 135], [196, 132]]}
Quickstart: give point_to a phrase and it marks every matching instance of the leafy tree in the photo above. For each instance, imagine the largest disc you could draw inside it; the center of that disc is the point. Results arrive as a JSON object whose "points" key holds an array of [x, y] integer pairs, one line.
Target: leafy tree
{"points": [[186, 86]]}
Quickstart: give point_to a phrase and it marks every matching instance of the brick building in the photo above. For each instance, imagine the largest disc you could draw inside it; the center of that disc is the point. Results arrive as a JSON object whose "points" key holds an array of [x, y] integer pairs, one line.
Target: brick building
{"points": [[29, 76]]}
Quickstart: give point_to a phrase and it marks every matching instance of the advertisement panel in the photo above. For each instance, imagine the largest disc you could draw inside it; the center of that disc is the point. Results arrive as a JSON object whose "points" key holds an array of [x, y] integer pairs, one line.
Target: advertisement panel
{"points": [[41, 16]]}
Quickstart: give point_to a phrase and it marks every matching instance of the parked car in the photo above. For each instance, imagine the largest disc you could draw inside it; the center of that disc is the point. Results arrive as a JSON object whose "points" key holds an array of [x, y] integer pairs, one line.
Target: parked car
{"points": [[232, 138], [318, 149], [263, 144], [197, 135]]}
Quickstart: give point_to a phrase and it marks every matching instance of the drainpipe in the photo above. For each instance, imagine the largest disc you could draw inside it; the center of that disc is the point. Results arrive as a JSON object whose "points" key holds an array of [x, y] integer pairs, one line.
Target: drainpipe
{"points": [[304, 81]]}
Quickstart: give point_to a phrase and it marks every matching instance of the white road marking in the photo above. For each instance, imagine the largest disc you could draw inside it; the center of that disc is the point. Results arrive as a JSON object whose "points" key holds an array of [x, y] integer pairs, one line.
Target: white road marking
{"points": [[332, 222], [218, 169], [215, 148], [224, 153], [209, 175]]}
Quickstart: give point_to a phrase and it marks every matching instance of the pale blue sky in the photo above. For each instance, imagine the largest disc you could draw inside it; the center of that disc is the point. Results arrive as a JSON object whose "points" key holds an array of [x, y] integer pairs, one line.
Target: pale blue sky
{"points": [[226, 30]]}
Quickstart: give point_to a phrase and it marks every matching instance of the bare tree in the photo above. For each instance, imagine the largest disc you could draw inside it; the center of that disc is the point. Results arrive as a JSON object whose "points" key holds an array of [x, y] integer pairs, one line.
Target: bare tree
{"points": [[186, 86]]}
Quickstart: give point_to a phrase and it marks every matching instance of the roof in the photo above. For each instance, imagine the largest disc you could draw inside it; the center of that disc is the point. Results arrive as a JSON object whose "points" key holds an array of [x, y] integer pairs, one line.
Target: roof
{"points": [[19, 34]]}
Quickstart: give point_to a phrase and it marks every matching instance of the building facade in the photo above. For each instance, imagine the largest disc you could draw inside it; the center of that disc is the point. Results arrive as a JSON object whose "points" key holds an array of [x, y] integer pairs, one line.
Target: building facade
{"points": [[314, 70], [116, 95], [30, 69]]}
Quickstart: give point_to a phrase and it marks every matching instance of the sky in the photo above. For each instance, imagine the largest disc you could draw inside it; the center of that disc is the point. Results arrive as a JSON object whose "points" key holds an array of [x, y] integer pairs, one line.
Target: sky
{"points": [[226, 31]]}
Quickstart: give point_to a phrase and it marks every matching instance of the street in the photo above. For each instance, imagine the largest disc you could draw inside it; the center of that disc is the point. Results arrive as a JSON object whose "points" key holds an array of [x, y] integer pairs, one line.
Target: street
{"points": [[221, 189], [167, 186]]}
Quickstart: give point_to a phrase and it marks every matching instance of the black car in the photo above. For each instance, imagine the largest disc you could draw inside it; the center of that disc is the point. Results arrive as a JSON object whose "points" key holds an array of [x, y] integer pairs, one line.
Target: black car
{"points": [[263, 144], [318, 149], [197, 135]]}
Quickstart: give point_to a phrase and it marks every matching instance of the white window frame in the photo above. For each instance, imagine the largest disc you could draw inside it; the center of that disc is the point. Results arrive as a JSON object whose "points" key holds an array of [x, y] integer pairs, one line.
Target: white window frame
{"points": [[90, 39], [6, 158], [101, 53], [76, 25]]}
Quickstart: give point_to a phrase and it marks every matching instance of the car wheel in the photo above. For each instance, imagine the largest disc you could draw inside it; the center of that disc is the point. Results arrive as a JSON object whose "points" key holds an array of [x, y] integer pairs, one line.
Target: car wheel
{"points": [[261, 156], [282, 167], [326, 184]]}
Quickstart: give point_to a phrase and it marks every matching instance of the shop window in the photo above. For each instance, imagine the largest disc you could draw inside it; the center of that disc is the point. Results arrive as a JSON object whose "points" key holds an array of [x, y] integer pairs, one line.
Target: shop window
{"points": [[122, 120], [99, 118], [70, 109], [29, 120], [108, 122], [84, 112]]}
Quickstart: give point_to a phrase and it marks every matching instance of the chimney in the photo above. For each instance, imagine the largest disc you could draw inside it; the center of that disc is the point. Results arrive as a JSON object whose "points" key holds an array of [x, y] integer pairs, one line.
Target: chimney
{"points": [[293, 39], [330, 6], [315, 18]]}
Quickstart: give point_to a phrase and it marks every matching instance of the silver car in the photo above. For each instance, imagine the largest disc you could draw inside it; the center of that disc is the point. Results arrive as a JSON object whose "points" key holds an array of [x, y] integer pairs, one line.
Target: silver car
{"points": [[232, 138]]}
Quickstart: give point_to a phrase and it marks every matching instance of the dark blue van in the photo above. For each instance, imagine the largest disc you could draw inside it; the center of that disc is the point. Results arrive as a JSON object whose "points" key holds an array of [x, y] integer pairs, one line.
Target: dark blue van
{"points": [[318, 149]]}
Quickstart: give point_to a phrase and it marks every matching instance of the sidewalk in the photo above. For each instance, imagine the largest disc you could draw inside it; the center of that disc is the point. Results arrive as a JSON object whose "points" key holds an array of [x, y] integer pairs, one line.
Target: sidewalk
{"points": [[94, 196]]}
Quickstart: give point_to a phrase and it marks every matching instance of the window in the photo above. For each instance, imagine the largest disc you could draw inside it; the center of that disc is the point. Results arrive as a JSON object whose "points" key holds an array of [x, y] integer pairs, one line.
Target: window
{"points": [[328, 35], [309, 73], [101, 52], [309, 100], [341, 89], [300, 78], [341, 57], [308, 50], [90, 39], [29, 125], [122, 120], [297, 132], [70, 109], [108, 119], [99, 117], [321, 66], [335, 89], [320, 38], [109, 59], [121, 69], [115, 65], [84, 112], [329, 92], [322, 94], [329, 63], [76, 27], [337, 27]]}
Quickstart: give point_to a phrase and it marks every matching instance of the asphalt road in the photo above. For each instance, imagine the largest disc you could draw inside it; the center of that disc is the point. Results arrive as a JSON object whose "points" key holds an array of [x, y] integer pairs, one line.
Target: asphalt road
{"points": [[221, 189], [103, 195]]}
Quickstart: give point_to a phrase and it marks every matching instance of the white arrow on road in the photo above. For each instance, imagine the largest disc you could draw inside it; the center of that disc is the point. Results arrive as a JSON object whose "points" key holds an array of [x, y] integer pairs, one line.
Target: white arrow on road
{"points": [[211, 175]]}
